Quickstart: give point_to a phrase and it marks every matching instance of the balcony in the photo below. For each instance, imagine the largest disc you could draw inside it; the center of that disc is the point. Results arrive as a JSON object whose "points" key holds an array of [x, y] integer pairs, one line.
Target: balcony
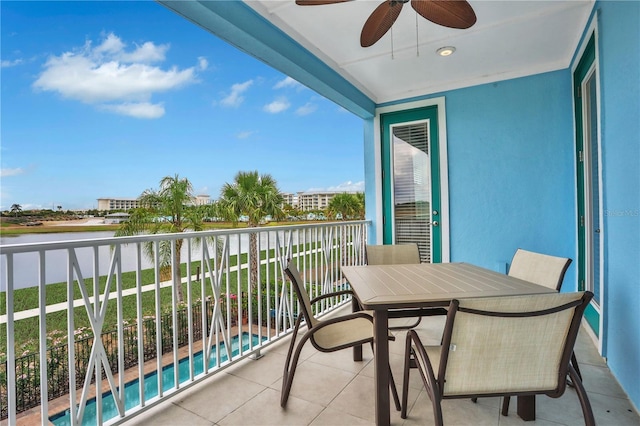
{"points": [[242, 384], [121, 289], [331, 389]]}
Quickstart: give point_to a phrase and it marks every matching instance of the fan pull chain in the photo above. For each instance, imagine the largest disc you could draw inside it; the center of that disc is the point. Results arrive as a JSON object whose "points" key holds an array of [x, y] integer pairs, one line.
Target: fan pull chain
{"points": [[392, 57], [417, 44]]}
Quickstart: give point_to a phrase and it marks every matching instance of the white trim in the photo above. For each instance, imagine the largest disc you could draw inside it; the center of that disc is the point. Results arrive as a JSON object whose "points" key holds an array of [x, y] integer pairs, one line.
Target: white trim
{"points": [[596, 60], [444, 167], [592, 29], [603, 231]]}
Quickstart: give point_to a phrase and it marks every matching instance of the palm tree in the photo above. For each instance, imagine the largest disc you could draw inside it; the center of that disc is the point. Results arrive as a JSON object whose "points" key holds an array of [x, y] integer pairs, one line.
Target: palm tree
{"points": [[361, 211], [15, 209], [255, 197], [289, 211], [216, 211], [348, 206], [166, 210]]}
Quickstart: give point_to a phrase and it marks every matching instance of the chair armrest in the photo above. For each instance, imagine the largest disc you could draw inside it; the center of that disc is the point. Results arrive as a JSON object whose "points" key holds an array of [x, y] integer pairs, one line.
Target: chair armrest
{"points": [[414, 346], [335, 293], [342, 318], [354, 315]]}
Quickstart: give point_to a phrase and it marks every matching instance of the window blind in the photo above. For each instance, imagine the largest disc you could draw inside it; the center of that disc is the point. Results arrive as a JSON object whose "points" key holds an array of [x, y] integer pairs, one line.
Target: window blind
{"points": [[412, 186]]}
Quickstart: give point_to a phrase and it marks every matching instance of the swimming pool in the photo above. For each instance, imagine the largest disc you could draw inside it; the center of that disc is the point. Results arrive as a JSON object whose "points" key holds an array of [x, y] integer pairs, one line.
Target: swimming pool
{"points": [[132, 389]]}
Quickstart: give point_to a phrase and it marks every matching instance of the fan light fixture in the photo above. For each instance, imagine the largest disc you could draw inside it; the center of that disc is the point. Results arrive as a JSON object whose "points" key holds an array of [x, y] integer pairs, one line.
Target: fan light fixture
{"points": [[446, 51]]}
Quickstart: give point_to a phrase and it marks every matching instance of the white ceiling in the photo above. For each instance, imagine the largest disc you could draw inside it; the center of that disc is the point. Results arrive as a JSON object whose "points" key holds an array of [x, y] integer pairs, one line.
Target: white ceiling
{"points": [[510, 39]]}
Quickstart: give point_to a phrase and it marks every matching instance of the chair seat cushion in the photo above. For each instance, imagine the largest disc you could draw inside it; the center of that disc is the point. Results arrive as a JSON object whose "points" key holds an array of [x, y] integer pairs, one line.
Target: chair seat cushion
{"points": [[344, 333]]}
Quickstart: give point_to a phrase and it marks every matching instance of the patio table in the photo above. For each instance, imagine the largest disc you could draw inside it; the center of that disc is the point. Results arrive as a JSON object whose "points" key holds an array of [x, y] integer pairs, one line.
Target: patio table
{"points": [[395, 290]]}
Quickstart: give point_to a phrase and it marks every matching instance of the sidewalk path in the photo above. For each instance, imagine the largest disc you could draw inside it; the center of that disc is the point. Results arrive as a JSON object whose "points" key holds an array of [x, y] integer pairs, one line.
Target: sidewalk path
{"points": [[29, 313]]}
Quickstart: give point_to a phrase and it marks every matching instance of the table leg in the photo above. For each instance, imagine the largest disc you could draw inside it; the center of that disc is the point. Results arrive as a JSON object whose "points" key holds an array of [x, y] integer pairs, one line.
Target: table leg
{"points": [[527, 407], [381, 363], [357, 350]]}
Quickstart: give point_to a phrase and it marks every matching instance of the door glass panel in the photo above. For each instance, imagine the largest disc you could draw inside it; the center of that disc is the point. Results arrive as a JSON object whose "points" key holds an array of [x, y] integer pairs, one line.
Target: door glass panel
{"points": [[591, 142], [412, 186]]}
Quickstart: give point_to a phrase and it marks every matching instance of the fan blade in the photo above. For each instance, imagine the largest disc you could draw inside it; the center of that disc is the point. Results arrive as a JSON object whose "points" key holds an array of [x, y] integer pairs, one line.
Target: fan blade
{"points": [[318, 2], [379, 22], [448, 13]]}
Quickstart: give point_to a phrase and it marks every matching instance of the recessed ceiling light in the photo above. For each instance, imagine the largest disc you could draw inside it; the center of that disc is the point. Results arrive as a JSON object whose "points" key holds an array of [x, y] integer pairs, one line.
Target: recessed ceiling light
{"points": [[446, 51]]}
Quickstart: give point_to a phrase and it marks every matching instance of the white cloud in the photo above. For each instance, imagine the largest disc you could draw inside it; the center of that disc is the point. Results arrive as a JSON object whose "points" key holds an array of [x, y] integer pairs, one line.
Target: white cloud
{"points": [[7, 63], [28, 206], [235, 98], [347, 186], [11, 172], [109, 73], [287, 82], [111, 44], [79, 78], [113, 48], [147, 53], [306, 109], [245, 134], [203, 64], [278, 105], [137, 110]]}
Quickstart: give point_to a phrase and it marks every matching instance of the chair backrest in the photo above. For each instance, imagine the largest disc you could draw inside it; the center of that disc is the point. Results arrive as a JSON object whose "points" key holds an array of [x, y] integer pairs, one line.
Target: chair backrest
{"points": [[539, 268], [298, 286], [392, 254], [499, 345]]}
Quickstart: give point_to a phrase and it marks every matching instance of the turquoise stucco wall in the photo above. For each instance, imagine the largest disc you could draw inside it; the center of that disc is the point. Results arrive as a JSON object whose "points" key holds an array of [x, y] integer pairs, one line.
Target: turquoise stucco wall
{"points": [[511, 170], [619, 62]]}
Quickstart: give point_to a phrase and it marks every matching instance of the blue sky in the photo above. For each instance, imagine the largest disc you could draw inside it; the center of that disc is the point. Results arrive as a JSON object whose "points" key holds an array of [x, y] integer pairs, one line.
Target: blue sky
{"points": [[104, 99]]}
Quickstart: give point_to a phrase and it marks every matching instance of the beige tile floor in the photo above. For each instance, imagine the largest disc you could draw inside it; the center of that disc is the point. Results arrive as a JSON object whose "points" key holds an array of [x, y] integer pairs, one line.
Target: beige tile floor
{"points": [[331, 389]]}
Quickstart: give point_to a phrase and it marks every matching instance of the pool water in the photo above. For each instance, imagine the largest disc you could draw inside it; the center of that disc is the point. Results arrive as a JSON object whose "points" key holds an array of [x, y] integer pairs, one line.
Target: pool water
{"points": [[132, 389]]}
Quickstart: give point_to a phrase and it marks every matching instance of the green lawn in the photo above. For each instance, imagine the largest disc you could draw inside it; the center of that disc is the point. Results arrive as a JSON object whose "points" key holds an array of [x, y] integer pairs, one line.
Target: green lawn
{"points": [[27, 330]]}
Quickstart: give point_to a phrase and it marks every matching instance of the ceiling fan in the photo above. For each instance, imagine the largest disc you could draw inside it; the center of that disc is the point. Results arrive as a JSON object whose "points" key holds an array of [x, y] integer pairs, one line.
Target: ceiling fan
{"points": [[448, 13]]}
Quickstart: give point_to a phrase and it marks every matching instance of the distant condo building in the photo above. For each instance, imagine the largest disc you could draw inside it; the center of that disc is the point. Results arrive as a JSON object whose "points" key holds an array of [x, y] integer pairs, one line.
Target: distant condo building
{"points": [[311, 200], [303, 200], [202, 200], [290, 198], [107, 204]]}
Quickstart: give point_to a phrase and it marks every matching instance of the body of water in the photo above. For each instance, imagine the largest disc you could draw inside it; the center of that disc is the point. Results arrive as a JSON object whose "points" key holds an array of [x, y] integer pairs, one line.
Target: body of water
{"points": [[132, 389], [26, 265]]}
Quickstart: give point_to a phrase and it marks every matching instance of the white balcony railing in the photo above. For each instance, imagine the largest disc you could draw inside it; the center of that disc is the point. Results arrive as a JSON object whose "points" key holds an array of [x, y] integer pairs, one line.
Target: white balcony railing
{"points": [[150, 345]]}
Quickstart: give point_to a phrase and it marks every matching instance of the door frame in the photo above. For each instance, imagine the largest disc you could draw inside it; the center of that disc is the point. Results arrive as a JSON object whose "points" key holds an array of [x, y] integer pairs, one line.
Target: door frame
{"points": [[595, 313], [443, 163]]}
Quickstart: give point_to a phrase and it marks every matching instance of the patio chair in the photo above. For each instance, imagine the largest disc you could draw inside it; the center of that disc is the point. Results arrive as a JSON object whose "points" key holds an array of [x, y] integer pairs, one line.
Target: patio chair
{"points": [[501, 346], [399, 254], [539, 268], [326, 335], [392, 254], [545, 270]]}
